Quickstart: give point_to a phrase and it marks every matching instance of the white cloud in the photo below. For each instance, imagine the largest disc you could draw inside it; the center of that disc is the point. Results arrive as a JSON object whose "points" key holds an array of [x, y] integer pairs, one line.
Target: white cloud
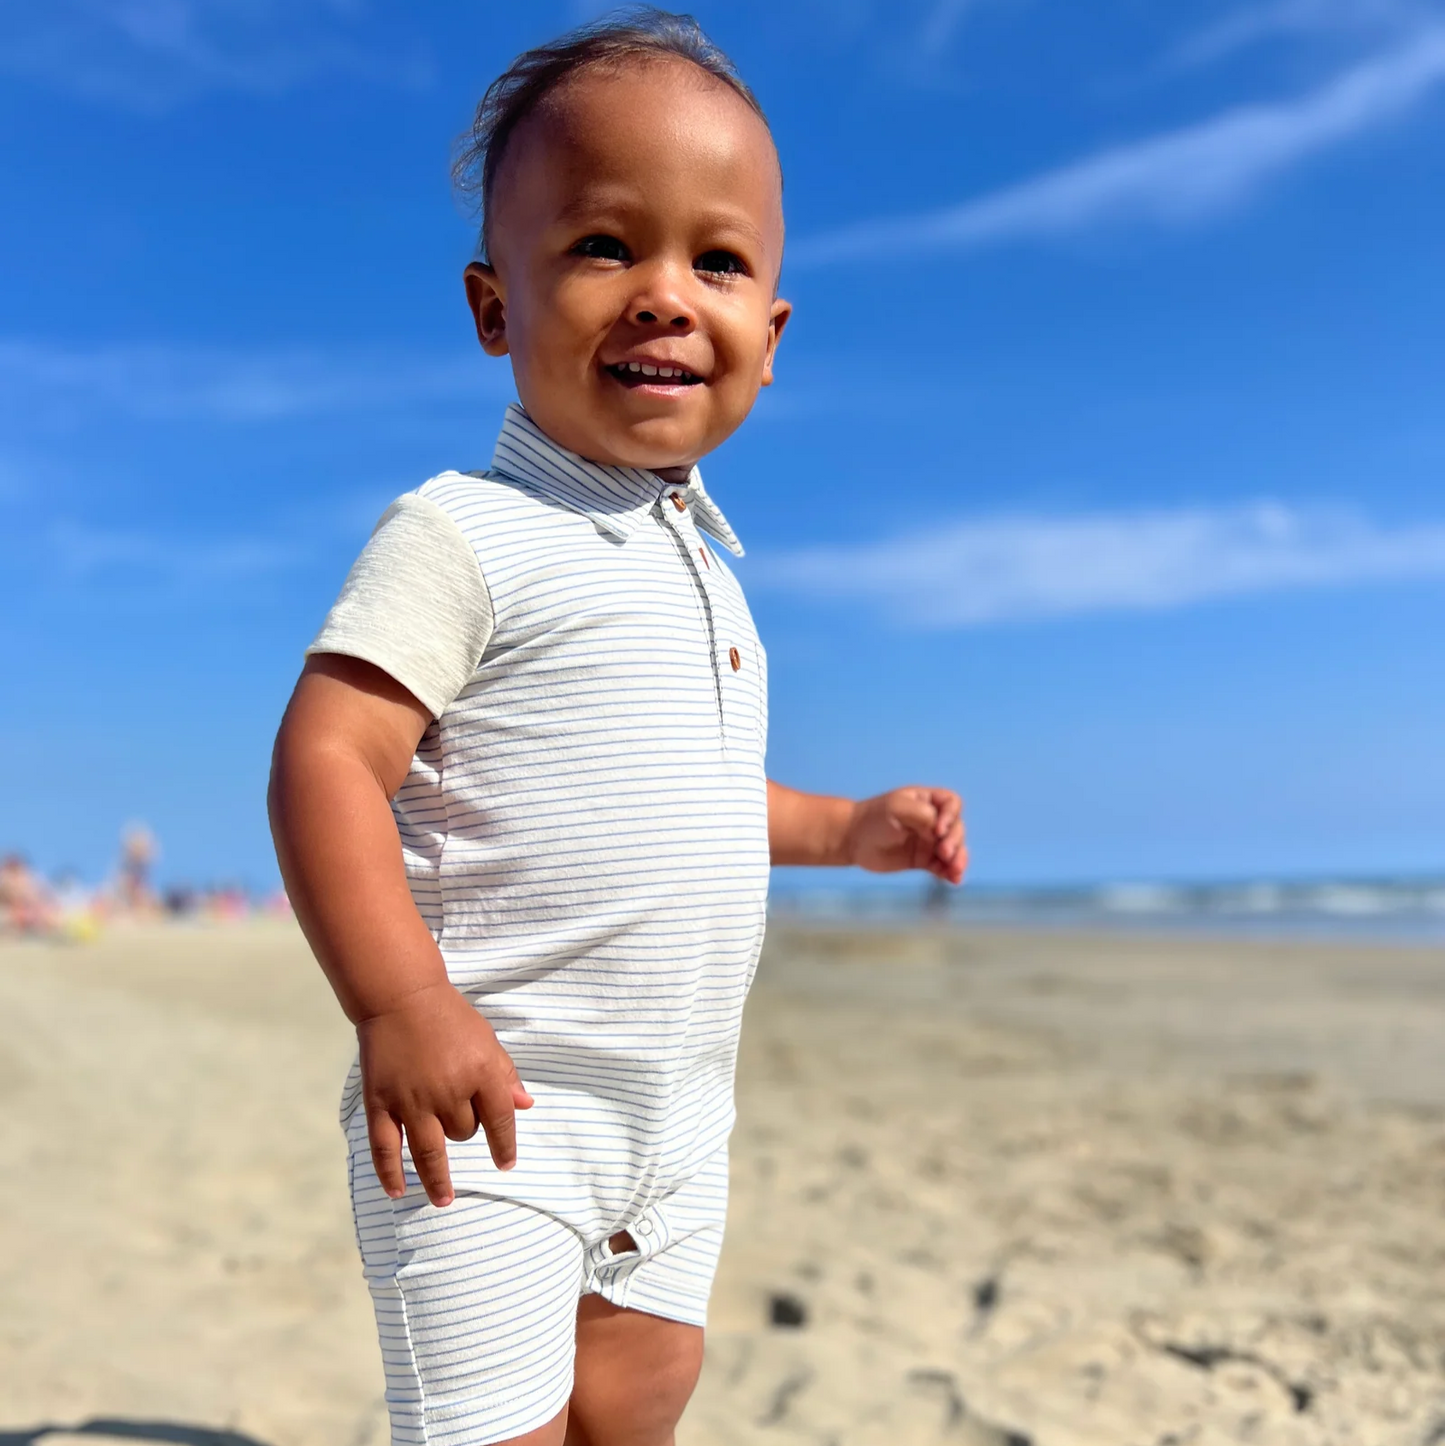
{"points": [[149, 54], [997, 570], [39, 379], [1301, 19], [1176, 177]]}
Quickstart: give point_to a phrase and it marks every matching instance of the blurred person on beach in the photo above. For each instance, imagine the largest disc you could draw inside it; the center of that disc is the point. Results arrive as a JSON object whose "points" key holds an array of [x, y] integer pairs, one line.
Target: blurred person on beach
{"points": [[134, 893], [27, 905], [518, 795]]}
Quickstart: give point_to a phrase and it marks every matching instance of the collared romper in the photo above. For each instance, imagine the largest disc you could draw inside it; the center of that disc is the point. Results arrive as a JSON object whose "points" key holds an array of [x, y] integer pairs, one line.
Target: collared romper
{"points": [[585, 833]]}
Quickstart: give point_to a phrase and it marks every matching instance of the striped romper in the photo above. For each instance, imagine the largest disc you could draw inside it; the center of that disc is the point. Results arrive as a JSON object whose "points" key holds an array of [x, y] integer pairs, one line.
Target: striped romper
{"points": [[585, 833]]}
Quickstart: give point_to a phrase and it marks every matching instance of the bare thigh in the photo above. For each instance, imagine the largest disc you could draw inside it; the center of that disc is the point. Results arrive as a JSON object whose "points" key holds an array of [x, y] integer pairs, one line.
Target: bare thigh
{"points": [[634, 1375]]}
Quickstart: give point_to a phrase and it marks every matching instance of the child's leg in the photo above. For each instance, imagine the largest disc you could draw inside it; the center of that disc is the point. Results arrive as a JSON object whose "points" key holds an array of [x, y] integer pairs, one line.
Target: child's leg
{"points": [[483, 1336], [640, 1327], [476, 1307], [633, 1375]]}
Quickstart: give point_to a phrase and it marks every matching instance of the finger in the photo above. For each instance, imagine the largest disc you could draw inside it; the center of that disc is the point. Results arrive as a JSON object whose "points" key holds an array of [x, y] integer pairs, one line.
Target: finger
{"points": [[459, 1121], [521, 1099], [384, 1134], [493, 1104], [950, 810], [951, 870], [913, 810], [946, 872], [429, 1155]]}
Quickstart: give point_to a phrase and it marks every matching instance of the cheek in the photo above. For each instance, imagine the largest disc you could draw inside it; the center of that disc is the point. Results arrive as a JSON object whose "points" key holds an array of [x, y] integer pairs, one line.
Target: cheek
{"points": [[742, 338], [579, 315], [555, 329]]}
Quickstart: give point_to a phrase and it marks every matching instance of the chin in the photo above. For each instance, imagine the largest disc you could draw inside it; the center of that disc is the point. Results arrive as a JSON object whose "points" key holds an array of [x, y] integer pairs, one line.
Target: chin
{"points": [[655, 443]]}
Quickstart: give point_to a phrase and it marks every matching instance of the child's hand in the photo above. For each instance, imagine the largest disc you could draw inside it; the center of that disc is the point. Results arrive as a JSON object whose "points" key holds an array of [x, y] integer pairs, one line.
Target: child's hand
{"points": [[430, 1065], [909, 828]]}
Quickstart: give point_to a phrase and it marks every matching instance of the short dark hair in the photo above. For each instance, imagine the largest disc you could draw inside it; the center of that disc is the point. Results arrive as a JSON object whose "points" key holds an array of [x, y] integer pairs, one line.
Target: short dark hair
{"points": [[639, 32]]}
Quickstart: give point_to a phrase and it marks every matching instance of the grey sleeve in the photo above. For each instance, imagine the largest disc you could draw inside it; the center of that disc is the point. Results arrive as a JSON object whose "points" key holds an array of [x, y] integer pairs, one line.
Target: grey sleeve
{"points": [[415, 604]]}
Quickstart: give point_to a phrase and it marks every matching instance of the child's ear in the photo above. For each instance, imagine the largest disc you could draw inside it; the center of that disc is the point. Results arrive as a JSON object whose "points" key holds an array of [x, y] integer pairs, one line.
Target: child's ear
{"points": [[777, 320], [489, 307]]}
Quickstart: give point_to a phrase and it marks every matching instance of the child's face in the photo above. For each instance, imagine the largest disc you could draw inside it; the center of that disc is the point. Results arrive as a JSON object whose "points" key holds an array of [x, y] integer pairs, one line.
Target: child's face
{"points": [[637, 220]]}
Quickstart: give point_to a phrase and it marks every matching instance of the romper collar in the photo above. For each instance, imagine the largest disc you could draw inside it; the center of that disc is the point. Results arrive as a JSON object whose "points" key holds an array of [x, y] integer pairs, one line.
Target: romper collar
{"points": [[615, 499]]}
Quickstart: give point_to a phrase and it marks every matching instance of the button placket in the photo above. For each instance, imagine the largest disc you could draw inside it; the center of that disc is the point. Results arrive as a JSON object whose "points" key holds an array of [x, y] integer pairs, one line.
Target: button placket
{"points": [[678, 522]]}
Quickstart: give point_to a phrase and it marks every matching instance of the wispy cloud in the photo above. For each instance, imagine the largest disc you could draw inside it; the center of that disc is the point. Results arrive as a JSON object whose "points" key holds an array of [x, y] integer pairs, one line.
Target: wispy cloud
{"points": [[941, 24], [93, 555], [1180, 176], [149, 54], [1302, 19], [1003, 569], [39, 379]]}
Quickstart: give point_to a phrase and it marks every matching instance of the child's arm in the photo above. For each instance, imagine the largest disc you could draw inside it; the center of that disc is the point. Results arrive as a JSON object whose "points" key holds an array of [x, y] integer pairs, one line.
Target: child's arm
{"points": [[430, 1064], [909, 828]]}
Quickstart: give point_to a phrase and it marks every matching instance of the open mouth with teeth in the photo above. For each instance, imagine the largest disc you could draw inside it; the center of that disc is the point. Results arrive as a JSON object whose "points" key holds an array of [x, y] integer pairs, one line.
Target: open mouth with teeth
{"points": [[638, 374]]}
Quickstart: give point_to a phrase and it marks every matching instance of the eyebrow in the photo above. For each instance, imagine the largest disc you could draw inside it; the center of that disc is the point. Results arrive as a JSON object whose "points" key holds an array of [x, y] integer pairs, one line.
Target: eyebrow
{"points": [[592, 207]]}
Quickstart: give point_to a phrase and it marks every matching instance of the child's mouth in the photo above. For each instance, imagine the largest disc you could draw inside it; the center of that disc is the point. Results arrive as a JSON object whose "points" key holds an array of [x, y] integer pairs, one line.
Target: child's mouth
{"points": [[649, 374]]}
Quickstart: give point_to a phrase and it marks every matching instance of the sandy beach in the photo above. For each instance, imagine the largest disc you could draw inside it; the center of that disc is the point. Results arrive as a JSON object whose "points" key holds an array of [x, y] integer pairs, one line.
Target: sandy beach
{"points": [[988, 1188]]}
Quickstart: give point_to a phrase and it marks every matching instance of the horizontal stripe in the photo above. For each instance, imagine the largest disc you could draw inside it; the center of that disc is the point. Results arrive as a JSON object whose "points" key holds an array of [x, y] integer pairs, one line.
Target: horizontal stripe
{"points": [[476, 1304], [585, 824]]}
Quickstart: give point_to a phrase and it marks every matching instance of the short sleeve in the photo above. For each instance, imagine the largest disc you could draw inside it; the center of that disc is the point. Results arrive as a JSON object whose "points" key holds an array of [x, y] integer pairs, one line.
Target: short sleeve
{"points": [[415, 604]]}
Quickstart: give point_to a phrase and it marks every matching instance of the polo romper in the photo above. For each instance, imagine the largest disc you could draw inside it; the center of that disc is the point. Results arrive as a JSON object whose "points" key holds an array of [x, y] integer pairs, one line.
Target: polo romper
{"points": [[584, 828]]}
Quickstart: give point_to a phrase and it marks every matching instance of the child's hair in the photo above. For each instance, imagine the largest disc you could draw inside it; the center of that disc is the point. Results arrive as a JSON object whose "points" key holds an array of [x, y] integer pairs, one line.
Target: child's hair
{"points": [[639, 32]]}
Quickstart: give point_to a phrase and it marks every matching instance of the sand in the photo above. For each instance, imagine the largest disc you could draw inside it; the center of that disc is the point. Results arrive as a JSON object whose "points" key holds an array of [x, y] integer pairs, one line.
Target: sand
{"points": [[994, 1188]]}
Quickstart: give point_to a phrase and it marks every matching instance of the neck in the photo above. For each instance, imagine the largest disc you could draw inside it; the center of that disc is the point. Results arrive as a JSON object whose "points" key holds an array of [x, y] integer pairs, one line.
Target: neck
{"points": [[673, 474]]}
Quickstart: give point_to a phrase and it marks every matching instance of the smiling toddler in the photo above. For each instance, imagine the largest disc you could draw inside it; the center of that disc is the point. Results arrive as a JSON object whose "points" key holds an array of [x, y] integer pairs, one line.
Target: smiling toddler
{"points": [[518, 795]]}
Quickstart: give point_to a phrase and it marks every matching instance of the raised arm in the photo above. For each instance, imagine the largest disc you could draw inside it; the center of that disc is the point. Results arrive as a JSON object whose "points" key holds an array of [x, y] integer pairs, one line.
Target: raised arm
{"points": [[431, 1065], [906, 828]]}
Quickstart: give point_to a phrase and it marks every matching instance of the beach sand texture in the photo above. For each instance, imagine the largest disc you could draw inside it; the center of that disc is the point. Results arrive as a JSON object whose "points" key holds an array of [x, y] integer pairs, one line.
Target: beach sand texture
{"points": [[1017, 1188]]}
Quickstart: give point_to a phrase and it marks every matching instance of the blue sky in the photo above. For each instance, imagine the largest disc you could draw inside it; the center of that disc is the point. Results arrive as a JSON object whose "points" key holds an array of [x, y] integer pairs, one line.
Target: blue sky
{"points": [[1101, 478]]}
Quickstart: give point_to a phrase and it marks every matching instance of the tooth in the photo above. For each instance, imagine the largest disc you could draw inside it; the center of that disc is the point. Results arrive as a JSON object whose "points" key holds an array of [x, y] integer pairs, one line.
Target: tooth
{"points": [[648, 371], [633, 367], [664, 371]]}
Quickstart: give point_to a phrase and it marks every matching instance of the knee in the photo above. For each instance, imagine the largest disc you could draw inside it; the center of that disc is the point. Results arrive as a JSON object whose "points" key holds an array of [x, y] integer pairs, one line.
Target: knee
{"points": [[634, 1376]]}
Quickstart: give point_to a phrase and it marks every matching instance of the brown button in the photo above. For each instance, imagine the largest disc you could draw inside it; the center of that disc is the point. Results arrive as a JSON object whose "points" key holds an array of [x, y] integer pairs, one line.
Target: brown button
{"points": [[679, 503], [735, 658], [705, 560]]}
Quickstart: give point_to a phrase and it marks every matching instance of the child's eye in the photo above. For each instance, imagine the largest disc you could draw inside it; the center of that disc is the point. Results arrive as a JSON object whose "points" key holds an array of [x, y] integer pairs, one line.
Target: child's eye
{"points": [[602, 248], [721, 262]]}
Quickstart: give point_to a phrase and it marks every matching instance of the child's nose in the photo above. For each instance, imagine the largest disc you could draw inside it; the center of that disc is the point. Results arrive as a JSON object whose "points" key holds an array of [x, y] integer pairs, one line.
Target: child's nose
{"points": [[649, 318], [661, 300]]}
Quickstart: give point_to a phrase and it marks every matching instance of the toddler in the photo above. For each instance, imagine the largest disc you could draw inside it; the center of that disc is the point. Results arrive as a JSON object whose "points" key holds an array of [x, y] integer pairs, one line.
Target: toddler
{"points": [[518, 795]]}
